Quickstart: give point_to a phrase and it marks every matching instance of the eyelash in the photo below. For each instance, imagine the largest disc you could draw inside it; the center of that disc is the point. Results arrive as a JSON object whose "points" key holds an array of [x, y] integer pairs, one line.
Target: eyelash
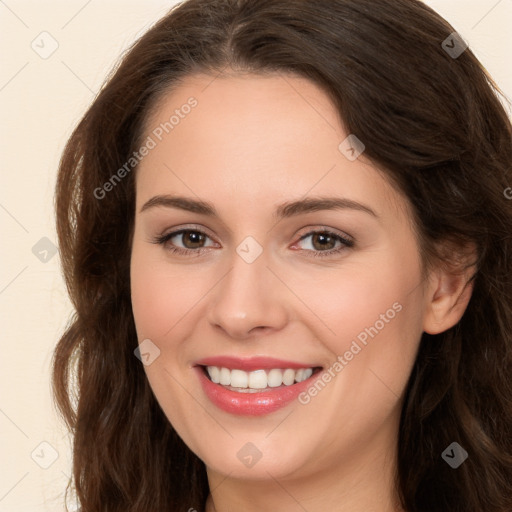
{"points": [[346, 243]]}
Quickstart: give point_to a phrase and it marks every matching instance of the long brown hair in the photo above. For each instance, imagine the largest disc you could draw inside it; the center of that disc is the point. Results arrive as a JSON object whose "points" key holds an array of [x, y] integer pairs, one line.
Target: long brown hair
{"points": [[431, 120]]}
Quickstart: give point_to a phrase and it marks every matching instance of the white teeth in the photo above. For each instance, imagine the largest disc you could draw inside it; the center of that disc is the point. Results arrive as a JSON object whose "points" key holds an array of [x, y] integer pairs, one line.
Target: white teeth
{"points": [[239, 379], [288, 377], [225, 377], [258, 379], [214, 374], [274, 378]]}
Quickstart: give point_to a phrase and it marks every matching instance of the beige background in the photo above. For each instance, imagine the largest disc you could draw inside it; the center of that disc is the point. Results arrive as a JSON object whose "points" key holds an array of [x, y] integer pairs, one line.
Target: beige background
{"points": [[41, 98]]}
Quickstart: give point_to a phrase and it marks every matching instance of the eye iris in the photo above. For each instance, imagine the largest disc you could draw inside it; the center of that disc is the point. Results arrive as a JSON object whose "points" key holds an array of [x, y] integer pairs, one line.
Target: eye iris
{"points": [[323, 237], [196, 238]]}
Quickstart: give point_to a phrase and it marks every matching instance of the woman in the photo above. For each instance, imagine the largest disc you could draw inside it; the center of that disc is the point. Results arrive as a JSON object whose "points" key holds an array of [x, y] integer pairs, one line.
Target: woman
{"points": [[285, 229]]}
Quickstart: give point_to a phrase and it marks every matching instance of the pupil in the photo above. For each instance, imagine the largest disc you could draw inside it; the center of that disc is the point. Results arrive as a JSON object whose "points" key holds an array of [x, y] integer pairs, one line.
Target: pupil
{"points": [[194, 235], [324, 238]]}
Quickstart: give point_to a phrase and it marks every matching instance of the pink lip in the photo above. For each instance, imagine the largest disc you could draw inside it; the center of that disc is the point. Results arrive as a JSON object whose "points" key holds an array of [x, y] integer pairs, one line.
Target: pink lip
{"points": [[251, 404], [250, 364]]}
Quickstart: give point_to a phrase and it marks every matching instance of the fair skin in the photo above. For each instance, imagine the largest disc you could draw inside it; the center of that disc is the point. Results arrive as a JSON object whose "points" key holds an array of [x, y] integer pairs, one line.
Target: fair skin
{"points": [[252, 143]]}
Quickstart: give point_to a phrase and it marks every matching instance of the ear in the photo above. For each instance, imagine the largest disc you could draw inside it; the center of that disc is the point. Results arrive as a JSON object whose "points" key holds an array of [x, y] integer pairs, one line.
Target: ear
{"points": [[449, 290]]}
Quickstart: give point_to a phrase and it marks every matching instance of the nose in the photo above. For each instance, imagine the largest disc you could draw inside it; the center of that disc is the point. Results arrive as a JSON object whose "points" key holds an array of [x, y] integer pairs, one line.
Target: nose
{"points": [[248, 300]]}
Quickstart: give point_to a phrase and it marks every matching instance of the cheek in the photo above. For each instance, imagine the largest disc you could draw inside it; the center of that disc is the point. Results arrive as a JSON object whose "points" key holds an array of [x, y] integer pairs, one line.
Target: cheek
{"points": [[149, 295], [161, 297], [161, 293], [351, 299], [382, 326], [376, 314]]}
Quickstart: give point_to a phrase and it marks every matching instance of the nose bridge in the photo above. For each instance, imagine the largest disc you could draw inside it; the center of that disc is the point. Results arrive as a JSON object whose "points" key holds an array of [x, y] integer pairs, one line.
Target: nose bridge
{"points": [[248, 296]]}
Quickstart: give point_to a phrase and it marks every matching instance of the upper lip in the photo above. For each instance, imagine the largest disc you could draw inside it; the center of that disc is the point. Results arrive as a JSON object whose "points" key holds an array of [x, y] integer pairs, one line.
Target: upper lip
{"points": [[252, 363]]}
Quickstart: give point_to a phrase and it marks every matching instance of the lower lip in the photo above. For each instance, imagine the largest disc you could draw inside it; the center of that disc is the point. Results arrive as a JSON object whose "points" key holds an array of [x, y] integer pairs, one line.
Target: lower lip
{"points": [[252, 404]]}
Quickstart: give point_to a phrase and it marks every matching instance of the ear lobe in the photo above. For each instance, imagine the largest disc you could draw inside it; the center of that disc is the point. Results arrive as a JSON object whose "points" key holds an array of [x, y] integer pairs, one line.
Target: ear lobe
{"points": [[448, 296]]}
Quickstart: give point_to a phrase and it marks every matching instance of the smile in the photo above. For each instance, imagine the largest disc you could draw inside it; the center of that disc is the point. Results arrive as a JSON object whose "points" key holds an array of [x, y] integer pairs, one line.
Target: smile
{"points": [[254, 386], [255, 381]]}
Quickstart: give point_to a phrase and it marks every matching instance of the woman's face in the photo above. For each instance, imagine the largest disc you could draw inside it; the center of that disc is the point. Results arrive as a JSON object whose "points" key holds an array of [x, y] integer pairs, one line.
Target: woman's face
{"points": [[260, 274]]}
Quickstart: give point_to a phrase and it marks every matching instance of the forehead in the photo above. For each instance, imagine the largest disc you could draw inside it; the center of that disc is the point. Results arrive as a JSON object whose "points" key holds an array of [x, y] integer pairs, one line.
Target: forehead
{"points": [[248, 92], [253, 137]]}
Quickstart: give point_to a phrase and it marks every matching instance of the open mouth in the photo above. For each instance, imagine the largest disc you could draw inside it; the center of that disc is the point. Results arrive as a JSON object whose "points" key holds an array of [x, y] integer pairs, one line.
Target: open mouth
{"points": [[258, 380]]}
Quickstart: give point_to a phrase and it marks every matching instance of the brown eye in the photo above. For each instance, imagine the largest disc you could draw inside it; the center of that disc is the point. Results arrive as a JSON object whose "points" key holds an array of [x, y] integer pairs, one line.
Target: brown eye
{"points": [[192, 239], [323, 243]]}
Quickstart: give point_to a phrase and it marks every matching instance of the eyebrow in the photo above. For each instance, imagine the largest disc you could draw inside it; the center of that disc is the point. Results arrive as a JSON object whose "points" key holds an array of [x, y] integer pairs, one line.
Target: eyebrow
{"points": [[284, 210]]}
